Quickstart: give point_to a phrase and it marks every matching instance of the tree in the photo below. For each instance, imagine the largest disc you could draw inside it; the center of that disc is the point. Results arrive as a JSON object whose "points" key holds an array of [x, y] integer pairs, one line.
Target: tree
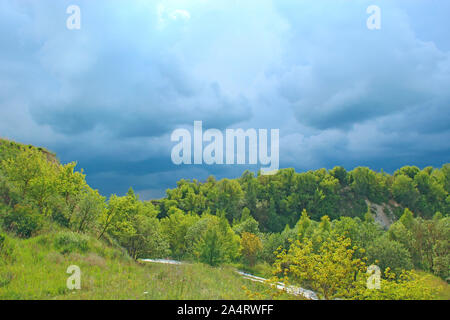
{"points": [[303, 224], [426, 240], [330, 271], [389, 254], [147, 240], [209, 247], [246, 224], [251, 245], [407, 219], [229, 198], [218, 243], [70, 186], [22, 169], [362, 233], [341, 174], [364, 183], [175, 228], [250, 187], [32, 176], [134, 225], [404, 190], [89, 208], [325, 224], [409, 171]]}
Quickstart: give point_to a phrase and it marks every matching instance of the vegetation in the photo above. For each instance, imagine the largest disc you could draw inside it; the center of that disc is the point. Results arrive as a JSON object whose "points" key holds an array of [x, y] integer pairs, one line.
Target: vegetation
{"points": [[313, 229], [36, 269]]}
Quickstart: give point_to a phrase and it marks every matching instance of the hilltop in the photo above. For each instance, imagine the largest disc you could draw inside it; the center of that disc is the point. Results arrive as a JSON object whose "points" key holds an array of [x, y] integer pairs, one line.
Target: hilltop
{"points": [[9, 148]]}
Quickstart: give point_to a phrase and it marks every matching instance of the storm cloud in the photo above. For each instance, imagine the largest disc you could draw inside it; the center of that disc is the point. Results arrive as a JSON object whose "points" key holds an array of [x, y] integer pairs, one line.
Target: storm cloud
{"points": [[109, 95]]}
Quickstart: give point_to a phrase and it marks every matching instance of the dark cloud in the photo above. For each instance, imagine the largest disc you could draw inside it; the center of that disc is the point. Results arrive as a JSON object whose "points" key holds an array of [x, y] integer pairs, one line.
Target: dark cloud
{"points": [[339, 73], [109, 95]]}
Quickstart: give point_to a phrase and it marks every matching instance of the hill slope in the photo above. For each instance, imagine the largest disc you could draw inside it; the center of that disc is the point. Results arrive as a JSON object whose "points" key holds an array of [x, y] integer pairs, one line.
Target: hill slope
{"points": [[36, 269]]}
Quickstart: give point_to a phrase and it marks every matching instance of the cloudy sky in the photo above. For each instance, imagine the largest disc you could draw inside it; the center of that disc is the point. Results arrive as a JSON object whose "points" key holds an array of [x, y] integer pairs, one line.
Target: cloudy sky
{"points": [[110, 94]]}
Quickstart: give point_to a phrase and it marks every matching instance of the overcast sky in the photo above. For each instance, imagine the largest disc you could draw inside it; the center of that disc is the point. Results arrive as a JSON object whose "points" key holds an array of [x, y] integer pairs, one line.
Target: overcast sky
{"points": [[110, 94]]}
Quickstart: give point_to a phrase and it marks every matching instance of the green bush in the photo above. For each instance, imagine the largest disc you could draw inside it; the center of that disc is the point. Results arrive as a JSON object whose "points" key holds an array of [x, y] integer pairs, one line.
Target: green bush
{"points": [[24, 221], [389, 253], [68, 242]]}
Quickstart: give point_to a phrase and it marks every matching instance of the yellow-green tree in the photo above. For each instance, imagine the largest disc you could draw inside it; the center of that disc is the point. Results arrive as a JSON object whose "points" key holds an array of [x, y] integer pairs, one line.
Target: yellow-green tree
{"points": [[251, 245], [330, 271], [32, 177]]}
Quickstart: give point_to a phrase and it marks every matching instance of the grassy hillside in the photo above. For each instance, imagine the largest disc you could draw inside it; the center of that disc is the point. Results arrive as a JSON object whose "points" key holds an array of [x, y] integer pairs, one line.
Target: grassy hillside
{"points": [[36, 269]]}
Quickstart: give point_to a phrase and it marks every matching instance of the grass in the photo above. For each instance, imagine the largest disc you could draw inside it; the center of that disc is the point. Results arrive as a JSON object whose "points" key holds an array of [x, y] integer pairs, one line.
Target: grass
{"points": [[442, 287], [36, 269], [262, 269]]}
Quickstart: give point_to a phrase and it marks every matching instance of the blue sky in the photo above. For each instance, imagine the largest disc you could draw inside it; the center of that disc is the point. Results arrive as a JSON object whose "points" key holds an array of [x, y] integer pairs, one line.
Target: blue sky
{"points": [[110, 94]]}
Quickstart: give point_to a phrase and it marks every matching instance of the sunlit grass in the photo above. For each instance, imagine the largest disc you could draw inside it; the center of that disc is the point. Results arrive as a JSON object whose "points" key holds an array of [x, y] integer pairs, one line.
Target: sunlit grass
{"points": [[443, 289], [36, 269]]}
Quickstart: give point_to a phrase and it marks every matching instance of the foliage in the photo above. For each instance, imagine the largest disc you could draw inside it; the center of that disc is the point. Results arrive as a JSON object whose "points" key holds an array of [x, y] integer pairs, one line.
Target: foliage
{"points": [[246, 224], [426, 240], [135, 226], [391, 254], [175, 227], [330, 270], [251, 245], [23, 220], [333, 271], [67, 242], [409, 285], [277, 200], [218, 243]]}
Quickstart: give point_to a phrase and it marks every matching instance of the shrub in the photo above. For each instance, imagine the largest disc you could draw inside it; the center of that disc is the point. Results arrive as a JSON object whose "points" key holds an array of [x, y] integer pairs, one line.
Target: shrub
{"points": [[23, 220], [68, 242]]}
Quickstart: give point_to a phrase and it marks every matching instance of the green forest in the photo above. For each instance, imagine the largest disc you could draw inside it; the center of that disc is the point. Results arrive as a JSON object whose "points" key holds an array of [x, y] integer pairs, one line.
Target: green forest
{"points": [[320, 230]]}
